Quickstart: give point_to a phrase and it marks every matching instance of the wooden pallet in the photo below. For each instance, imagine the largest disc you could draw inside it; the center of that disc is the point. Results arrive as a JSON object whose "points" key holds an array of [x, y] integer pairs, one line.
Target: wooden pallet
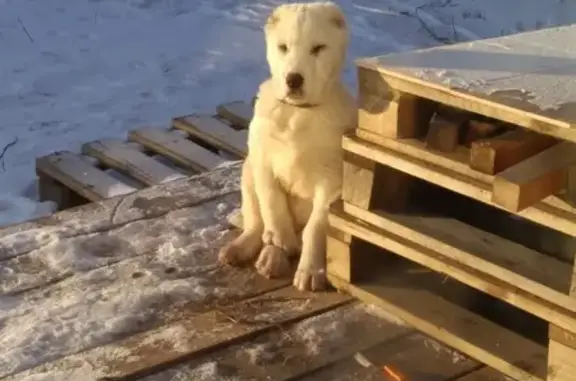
{"points": [[212, 322], [469, 153], [151, 156]]}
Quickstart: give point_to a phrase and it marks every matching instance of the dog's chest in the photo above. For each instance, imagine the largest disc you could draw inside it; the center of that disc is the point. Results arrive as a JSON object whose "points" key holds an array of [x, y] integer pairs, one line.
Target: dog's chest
{"points": [[302, 150]]}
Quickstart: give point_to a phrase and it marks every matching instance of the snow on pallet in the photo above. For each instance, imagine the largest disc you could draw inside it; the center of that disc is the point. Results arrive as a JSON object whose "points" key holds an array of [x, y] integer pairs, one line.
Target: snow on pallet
{"points": [[151, 156], [130, 288], [463, 165]]}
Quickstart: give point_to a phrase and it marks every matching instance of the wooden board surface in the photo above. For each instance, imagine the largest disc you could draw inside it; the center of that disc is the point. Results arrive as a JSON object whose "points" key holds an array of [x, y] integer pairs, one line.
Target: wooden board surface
{"points": [[118, 155], [130, 288], [451, 171], [238, 113], [81, 176], [214, 132], [521, 79], [177, 148], [108, 214], [408, 295], [433, 258]]}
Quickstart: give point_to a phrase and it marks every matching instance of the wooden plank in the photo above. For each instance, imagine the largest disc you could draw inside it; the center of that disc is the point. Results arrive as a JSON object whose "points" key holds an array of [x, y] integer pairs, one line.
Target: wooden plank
{"points": [[561, 315], [494, 155], [484, 374], [479, 129], [543, 96], [238, 113], [389, 113], [561, 364], [118, 155], [528, 182], [109, 214], [177, 148], [408, 293], [77, 174], [443, 133], [300, 348], [193, 335], [411, 357], [534, 272], [214, 132], [36, 269], [459, 178]]}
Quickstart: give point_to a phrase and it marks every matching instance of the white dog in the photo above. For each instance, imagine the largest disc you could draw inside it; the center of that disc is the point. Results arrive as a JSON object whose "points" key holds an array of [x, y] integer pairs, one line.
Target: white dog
{"points": [[293, 171]]}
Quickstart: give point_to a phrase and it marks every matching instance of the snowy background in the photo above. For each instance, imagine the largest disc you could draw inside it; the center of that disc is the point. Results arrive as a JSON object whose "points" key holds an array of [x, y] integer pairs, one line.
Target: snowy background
{"points": [[73, 71]]}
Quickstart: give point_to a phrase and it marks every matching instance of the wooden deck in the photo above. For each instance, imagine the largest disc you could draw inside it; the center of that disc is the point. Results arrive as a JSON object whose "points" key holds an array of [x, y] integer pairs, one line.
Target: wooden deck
{"points": [[129, 289]]}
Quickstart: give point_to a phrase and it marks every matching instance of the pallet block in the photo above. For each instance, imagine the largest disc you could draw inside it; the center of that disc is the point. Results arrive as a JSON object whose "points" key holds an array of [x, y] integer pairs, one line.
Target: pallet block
{"points": [[151, 156]]}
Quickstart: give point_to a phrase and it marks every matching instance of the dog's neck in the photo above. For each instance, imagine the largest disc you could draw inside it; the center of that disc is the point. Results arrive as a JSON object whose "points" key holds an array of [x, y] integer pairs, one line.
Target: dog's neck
{"points": [[299, 105]]}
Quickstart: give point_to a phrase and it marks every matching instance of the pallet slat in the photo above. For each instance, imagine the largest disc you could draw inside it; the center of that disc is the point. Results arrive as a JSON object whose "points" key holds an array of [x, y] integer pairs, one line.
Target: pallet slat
{"points": [[118, 155], [527, 269], [79, 175], [405, 294], [195, 334], [176, 147], [214, 132], [531, 180], [457, 177], [508, 291], [238, 113]]}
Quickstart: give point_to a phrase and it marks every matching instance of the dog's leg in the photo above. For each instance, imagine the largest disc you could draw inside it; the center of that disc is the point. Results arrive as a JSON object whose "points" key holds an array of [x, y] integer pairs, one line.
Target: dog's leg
{"points": [[279, 234], [246, 247], [311, 272]]}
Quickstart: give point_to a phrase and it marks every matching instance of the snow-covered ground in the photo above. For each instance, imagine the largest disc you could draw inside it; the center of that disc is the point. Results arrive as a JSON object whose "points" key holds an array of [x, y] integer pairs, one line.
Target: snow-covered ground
{"points": [[73, 71]]}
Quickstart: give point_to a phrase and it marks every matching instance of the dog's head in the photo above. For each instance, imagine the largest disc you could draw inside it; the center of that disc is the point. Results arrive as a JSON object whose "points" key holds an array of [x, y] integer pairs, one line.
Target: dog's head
{"points": [[306, 49]]}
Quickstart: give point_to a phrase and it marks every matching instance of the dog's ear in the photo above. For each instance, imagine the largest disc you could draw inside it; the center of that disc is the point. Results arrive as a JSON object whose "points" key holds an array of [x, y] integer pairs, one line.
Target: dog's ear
{"points": [[272, 20], [338, 21]]}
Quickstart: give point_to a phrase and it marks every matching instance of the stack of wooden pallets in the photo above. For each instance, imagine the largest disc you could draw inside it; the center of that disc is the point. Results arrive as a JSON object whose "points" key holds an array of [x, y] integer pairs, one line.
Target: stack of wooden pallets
{"points": [[438, 183]]}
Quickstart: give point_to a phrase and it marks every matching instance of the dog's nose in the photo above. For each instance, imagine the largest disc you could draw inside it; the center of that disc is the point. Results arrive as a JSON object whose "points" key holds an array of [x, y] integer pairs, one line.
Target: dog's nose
{"points": [[294, 81]]}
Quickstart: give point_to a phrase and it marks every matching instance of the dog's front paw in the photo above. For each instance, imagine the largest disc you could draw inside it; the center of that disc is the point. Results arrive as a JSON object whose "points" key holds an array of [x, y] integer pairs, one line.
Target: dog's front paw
{"points": [[310, 278], [285, 240], [242, 250], [273, 262]]}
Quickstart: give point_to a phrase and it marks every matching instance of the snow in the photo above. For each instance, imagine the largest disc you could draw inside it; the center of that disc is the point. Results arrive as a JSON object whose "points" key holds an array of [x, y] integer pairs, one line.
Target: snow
{"points": [[74, 71]]}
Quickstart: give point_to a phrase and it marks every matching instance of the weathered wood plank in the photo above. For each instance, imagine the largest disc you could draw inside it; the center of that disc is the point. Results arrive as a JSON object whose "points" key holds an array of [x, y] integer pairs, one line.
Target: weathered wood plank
{"points": [[174, 146], [99, 303], [459, 178], [238, 113], [539, 274], [193, 334], [412, 357], [118, 155], [484, 374], [408, 293], [61, 258], [214, 132], [296, 349], [494, 155], [109, 214], [531, 180], [561, 315], [82, 177], [524, 82]]}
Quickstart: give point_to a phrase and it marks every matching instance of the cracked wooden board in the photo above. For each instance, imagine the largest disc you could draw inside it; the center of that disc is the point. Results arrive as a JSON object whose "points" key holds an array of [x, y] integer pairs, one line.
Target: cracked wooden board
{"points": [[105, 215]]}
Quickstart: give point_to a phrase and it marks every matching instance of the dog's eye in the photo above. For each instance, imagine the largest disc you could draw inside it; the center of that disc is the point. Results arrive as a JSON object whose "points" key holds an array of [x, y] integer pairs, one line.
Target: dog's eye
{"points": [[316, 49], [283, 48]]}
